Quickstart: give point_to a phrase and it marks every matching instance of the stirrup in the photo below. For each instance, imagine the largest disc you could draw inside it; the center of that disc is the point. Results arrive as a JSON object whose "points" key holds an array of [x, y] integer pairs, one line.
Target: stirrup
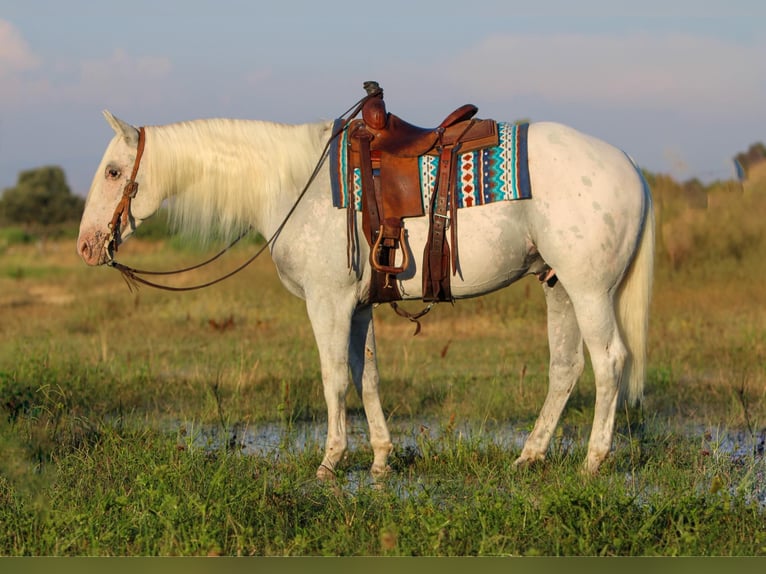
{"points": [[390, 269]]}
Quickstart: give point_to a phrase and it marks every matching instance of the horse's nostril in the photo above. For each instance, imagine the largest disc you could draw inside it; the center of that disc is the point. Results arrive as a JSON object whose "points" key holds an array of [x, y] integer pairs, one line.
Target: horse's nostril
{"points": [[85, 251]]}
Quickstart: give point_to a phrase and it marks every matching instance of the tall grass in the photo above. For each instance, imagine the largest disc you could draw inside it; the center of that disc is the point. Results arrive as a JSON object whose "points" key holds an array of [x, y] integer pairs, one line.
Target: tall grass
{"points": [[101, 390]]}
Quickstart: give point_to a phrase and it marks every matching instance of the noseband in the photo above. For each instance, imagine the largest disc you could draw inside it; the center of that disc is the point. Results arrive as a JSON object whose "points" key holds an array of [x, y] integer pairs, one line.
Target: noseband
{"points": [[121, 215]]}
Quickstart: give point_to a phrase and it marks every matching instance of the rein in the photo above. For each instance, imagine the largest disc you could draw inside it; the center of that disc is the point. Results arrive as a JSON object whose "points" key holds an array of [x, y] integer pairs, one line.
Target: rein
{"points": [[121, 216]]}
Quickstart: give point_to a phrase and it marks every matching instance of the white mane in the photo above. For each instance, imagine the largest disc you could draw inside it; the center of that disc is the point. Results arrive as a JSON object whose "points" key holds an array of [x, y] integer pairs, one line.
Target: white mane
{"points": [[226, 175]]}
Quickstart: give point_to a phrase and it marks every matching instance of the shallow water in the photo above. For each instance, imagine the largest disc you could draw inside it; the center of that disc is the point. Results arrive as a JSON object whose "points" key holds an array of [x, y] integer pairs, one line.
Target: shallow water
{"points": [[736, 448], [265, 439]]}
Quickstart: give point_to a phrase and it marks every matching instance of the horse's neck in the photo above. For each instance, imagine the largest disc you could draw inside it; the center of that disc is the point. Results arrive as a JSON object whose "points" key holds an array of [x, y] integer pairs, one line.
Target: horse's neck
{"points": [[228, 175]]}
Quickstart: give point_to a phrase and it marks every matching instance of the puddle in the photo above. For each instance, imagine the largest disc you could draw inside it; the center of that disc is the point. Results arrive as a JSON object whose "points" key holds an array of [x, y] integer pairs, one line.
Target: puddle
{"points": [[735, 449], [267, 439], [736, 444]]}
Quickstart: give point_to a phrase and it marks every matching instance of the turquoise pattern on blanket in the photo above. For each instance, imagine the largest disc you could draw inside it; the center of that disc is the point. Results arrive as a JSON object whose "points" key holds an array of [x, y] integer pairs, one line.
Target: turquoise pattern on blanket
{"points": [[499, 173]]}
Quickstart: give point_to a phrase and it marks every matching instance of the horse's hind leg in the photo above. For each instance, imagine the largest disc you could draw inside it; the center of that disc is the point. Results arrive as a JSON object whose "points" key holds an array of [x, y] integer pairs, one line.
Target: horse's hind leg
{"points": [[566, 365], [364, 372], [608, 354]]}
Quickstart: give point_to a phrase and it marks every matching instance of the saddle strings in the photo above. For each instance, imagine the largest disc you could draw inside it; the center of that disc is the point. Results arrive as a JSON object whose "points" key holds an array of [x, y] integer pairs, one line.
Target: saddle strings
{"points": [[133, 277]]}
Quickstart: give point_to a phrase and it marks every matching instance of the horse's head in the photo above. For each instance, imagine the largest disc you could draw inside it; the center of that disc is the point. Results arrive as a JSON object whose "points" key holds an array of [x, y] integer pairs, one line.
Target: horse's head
{"points": [[110, 216]]}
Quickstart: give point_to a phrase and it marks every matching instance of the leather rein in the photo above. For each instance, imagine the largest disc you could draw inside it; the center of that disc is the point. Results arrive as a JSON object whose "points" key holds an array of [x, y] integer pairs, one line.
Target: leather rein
{"points": [[121, 218]]}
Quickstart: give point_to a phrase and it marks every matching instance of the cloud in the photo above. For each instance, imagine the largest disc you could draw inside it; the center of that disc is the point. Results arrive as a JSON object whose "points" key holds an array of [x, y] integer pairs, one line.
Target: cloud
{"points": [[672, 71], [16, 61], [14, 52], [29, 81]]}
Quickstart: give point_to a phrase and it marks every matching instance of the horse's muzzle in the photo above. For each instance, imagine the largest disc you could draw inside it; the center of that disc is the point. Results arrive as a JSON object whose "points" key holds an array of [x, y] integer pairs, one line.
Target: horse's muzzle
{"points": [[95, 249]]}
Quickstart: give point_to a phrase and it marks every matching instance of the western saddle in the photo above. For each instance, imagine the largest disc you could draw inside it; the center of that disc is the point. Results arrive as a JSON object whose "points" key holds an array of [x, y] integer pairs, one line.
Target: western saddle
{"points": [[386, 150]]}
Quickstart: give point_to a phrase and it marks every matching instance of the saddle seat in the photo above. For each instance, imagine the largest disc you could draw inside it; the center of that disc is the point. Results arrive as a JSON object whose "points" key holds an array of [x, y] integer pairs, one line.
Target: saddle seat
{"points": [[397, 137]]}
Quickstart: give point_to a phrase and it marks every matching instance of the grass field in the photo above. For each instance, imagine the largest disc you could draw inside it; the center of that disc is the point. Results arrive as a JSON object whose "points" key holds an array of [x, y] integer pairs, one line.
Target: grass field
{"points": [[122, 413]]}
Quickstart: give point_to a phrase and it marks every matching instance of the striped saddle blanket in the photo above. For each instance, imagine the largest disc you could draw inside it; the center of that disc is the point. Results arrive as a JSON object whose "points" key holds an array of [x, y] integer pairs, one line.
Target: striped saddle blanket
{"points": [[498, 173]]}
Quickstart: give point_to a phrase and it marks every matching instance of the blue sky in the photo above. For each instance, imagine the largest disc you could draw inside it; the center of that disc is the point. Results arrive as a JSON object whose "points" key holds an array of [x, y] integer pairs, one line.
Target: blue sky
{"points": [[679, 85]]}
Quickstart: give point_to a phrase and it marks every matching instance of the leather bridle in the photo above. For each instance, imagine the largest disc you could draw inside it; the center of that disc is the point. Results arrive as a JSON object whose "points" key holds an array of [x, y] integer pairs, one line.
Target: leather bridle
{"points": [[121, 215]]}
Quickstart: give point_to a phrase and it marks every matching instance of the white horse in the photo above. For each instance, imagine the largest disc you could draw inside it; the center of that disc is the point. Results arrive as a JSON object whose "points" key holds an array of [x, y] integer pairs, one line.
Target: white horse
{"points": [[590, 219]]}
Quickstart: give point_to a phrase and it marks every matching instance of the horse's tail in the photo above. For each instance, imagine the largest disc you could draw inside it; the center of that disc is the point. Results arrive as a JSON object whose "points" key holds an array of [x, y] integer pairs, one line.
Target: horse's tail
{"points": [[633, 300]]}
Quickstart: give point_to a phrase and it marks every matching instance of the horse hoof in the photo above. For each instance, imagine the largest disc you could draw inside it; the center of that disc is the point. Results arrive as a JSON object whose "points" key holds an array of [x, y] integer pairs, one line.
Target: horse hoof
{"points": [[325, 473], [380, 471], [528, 461], [590, 469]]}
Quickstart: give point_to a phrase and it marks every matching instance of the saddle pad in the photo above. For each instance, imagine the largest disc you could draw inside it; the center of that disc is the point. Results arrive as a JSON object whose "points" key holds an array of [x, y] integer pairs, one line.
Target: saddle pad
{"points": [[498, 173]]}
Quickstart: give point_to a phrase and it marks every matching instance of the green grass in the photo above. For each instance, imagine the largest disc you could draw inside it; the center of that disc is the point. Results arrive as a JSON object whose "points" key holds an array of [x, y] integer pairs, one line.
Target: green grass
{"points": [[140, 492], [102, 390]]}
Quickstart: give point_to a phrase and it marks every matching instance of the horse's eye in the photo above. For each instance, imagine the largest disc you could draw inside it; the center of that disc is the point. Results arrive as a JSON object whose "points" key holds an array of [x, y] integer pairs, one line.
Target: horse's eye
{"points": [[112, 173]]}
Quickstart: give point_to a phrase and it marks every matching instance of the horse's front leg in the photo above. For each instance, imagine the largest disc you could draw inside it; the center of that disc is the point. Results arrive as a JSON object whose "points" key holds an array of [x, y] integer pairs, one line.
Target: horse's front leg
{"points": [[364, 371], [331, 321]]}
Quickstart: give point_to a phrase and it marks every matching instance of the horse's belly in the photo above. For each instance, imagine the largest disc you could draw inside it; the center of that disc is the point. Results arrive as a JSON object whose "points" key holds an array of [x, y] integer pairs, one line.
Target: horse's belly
{"points": [[492, 251]]}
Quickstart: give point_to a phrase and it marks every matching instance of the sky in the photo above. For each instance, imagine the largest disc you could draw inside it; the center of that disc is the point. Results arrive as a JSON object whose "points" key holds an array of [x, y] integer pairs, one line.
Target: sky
{"points": [[679, 85]]}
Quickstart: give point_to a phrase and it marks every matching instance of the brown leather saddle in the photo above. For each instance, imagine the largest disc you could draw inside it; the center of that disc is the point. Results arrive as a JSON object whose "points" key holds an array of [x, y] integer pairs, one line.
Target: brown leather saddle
{"points": [[386, 150]]}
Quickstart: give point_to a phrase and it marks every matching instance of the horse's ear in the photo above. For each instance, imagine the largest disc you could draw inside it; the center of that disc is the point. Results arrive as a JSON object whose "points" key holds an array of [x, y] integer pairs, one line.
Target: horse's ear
{"points": [[121, 128]]}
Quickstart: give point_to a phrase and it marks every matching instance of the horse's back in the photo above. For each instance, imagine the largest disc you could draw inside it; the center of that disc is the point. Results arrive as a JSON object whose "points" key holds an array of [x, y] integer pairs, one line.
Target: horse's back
{"points": [[564, 160]]}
